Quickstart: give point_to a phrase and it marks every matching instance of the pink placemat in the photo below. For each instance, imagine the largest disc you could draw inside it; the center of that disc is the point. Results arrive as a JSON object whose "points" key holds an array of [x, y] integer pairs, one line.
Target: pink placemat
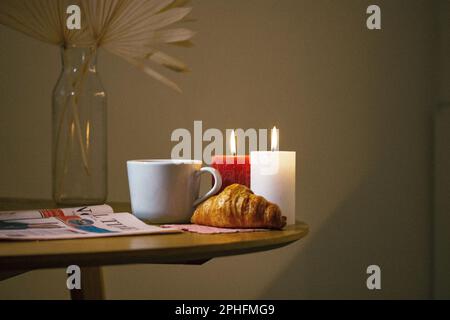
{"points": [[208, 230]]}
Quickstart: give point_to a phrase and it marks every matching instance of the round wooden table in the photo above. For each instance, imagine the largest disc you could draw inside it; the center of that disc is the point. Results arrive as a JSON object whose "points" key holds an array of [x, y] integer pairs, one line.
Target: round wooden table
{"points": [[90, 254]]}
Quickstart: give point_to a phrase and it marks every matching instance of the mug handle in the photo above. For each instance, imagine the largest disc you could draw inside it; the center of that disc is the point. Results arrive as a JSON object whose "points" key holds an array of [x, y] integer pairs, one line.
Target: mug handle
{"points": [[215, 188]]}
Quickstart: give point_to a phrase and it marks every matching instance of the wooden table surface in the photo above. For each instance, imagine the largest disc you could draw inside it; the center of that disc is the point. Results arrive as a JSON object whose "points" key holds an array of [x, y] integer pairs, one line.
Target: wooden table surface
{"points": [[171, 248]]}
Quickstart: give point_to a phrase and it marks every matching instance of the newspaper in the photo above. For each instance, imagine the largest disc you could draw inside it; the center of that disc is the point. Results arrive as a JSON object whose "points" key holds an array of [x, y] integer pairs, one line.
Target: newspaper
{"points": [[72, 223]]}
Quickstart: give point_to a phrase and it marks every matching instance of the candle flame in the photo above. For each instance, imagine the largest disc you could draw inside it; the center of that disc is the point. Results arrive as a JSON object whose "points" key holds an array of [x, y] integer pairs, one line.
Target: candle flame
{"points": [[233, 142], [275, 139]]}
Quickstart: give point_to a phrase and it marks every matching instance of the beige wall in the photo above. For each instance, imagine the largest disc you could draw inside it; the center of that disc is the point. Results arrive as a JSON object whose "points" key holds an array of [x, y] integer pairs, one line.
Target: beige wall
{"points": [[442, 163], [355, 104]]}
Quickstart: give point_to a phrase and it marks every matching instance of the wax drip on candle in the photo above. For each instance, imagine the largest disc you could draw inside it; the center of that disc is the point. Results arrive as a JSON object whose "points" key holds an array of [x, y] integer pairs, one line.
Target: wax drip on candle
{"points": [[275, 139], [233, 143]]}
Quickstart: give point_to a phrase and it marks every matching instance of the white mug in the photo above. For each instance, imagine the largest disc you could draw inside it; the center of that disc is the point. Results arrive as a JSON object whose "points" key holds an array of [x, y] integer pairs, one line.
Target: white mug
{"points": [[167, 191]]}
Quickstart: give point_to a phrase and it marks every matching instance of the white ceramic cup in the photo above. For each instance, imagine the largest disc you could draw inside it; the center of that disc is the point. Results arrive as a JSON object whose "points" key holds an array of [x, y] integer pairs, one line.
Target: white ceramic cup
{"points": [[167, 191]]}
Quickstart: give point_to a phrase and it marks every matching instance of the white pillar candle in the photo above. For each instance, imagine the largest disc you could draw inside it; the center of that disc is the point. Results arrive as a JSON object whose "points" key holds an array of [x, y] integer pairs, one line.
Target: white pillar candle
{"points": [[272, 175]]}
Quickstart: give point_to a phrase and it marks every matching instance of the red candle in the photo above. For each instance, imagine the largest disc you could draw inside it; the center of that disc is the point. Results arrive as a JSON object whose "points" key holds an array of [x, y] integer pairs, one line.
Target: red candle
{"points": [[233, 169]]}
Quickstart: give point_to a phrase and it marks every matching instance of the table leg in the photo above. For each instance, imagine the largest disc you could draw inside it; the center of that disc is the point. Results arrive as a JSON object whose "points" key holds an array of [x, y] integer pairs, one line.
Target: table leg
{"points": [[91, 285]]}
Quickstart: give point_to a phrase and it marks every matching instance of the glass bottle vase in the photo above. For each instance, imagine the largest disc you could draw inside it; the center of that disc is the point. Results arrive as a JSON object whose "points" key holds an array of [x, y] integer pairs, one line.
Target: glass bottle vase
{"points": [[79, 130]]}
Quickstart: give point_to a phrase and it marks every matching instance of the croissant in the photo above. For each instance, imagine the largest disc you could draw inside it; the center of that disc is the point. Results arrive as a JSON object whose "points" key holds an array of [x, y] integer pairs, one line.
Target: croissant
{"points": [[238, 207]]}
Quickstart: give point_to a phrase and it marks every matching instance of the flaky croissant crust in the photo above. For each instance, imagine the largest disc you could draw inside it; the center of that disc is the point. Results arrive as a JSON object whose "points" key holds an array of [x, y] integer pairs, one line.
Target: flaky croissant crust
{"points": [[238, 207]]}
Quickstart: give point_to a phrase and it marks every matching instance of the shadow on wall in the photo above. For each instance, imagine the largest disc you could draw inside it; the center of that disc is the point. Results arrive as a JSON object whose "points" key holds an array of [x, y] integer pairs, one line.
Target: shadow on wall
{"points": [[364, 230]]}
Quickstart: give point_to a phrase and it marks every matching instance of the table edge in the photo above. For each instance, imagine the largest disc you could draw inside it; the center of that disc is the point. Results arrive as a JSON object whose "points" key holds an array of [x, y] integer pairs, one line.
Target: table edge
{"points": [[143, 256]]}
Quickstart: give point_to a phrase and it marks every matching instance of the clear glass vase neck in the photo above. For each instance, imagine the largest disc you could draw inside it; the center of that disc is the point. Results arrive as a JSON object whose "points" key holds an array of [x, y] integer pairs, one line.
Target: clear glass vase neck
{"points": [[76, 58]]}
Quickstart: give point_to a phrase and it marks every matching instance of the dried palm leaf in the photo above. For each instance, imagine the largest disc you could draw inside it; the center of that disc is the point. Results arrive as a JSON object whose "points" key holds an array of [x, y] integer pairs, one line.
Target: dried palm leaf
{"points": [[132, 29]]}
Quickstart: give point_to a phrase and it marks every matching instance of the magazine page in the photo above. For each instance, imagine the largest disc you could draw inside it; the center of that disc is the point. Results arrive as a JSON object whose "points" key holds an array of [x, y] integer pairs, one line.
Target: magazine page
{"points": [[47, 213], [77, 226]]}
